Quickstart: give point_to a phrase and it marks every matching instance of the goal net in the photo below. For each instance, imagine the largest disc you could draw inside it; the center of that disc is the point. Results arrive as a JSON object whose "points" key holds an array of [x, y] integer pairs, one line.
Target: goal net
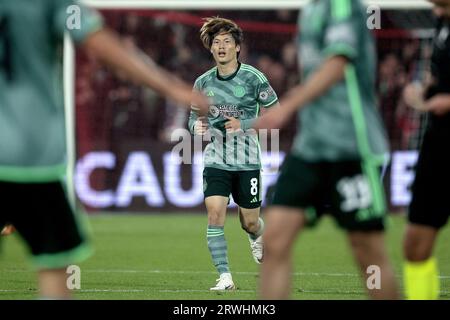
{"points": [[123, 131]]}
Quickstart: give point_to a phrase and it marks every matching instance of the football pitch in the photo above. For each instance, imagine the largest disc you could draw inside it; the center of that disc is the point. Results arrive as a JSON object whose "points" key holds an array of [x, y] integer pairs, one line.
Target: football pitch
{"points": [[165, 256]]}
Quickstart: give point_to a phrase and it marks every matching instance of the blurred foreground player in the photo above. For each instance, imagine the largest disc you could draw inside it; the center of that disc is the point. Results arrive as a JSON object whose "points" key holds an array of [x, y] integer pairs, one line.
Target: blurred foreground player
{"points": [[32, 127], [337, 155], [430, 208]]}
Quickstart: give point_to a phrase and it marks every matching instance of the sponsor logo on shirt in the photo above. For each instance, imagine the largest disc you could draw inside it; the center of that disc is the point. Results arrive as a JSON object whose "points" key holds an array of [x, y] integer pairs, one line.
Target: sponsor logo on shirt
{"points": [[228, 110]]}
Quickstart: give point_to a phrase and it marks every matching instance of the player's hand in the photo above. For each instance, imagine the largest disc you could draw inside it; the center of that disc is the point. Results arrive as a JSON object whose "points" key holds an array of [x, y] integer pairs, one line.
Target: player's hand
{"points": [[200, 126], [232, 124], [439, 104], [7, 230], [413, 96]]}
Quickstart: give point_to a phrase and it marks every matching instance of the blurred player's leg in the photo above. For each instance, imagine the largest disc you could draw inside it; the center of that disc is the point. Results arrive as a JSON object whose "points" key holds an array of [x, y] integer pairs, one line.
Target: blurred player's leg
{"points": [[420, 271], [52, 284], [254, 226], [369, 249], [282, 226], [217, 244], [427, 213], [57, 237]]}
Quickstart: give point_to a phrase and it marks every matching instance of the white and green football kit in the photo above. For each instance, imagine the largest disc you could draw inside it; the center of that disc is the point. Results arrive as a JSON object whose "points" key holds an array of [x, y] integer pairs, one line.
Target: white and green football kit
{"points": [[232, 161], [240, 95]]}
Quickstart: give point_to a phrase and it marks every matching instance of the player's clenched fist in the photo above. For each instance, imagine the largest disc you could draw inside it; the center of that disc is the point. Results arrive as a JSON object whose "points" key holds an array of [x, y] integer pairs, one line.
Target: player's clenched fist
{"points": [[232, 124], [200, 126]]}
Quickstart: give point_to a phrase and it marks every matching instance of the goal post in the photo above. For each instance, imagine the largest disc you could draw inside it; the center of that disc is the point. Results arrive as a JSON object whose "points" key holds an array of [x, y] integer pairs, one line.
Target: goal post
{"points": [[247, 4]]}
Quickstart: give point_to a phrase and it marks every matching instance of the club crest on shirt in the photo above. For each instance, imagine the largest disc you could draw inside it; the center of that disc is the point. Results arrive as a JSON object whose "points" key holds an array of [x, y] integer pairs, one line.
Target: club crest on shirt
{"points": [[239, 91]]}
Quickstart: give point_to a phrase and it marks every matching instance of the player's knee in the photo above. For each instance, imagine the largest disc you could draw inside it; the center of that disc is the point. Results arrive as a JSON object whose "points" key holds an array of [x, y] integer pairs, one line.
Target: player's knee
{"points": [[418, 243], [358, 244], [415, 255], [359, 251], [275, 245], [214, 217], [250, 226], [366, 249], [414, 250]]}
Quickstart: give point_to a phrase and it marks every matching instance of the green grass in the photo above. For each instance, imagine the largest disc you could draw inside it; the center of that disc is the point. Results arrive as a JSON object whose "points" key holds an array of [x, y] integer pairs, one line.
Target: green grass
{"points": [[165, 257]]}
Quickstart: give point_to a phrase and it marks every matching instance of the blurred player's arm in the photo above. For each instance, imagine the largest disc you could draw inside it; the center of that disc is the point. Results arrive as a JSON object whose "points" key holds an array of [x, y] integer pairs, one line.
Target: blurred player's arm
{"points": [[266, 99], [263, 111], [423, 97], [106, 46], [331, 72], [438, 104], [341, 43], [234, 124]]}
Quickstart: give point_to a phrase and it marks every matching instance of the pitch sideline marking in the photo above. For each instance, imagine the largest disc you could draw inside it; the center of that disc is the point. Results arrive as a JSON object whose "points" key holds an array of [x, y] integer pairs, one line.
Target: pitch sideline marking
{"points": [[318, 274], [329, 291]]}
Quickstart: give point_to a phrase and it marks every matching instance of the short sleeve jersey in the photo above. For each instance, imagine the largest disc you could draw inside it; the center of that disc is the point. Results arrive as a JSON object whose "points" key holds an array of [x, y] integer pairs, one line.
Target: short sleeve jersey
{"points": [[240, 95], [440, 70], [32, 121], [343, 123]]}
